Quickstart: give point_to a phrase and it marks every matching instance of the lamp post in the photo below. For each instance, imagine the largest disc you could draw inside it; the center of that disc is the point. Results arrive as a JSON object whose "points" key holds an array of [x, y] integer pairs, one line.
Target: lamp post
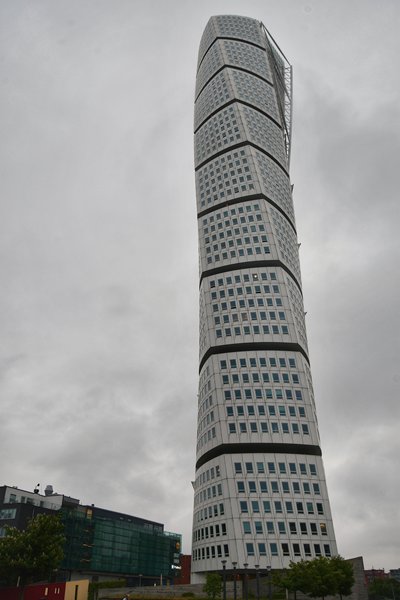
{"points": [[257, 581], [269, 582], [223, 579], [246, 591], [234, 563]]}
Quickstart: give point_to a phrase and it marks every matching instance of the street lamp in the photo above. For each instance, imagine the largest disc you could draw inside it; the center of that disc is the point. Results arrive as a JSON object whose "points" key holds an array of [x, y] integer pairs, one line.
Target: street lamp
{"points": [[234, 563], [269, 582], [257, 581], [224, 578], [246, 590]]}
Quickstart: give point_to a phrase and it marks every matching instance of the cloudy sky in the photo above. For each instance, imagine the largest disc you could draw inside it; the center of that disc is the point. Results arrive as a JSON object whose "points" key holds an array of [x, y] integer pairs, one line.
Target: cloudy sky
{"points": [[98, 250]]}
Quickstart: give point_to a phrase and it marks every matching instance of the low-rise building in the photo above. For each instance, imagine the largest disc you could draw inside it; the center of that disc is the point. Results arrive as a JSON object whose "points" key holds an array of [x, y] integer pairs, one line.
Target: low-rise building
{"points": [[394, 574], [372, 574], [100, 543]]}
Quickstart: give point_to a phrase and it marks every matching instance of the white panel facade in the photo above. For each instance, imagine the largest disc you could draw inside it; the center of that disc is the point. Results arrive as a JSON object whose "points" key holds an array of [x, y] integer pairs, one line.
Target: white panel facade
{"points": [[260, 491]]}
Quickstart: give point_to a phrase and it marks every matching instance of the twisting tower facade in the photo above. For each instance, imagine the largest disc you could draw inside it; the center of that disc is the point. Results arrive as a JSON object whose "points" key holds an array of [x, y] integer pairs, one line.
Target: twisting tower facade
{"points": [[260, 492]]}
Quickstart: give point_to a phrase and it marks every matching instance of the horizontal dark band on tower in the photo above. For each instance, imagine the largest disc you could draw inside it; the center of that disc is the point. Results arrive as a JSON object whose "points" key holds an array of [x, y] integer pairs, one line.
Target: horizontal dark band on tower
{"points": [[248, 198], [271, 83], [253, 347], [240, 145], [239, 101], [250, 265], [232, 39], [258, 448]]}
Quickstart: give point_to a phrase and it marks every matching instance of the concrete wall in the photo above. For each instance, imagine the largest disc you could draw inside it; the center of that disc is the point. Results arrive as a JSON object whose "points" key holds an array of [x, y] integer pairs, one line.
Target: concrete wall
{"points": [[77, 590]]}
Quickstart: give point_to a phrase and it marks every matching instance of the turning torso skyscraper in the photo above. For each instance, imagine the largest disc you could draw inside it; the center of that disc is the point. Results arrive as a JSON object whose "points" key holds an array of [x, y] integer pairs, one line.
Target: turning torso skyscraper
{"points": [[260, 492]]}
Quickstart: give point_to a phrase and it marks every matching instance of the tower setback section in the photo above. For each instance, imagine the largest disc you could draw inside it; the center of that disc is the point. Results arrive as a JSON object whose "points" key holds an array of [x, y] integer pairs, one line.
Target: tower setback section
{"points": [[260, 492]]}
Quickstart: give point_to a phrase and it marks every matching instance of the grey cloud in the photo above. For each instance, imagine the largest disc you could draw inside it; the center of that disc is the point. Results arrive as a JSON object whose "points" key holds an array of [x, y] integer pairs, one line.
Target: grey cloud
{"points": [[98, 251]]}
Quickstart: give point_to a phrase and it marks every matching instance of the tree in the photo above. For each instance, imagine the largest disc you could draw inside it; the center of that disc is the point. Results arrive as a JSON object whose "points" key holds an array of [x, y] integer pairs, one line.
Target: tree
{"points": [[382, 589], [321, 580], [212, 586], [319, 577], [33, 554], [343, 575], [295, 579]]}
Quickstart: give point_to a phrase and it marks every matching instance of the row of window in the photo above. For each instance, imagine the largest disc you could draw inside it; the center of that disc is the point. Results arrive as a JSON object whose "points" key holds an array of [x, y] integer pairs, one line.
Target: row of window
{"points": [[261, 302], [251, 487], [258, 393], [281, 528], [208, 475], [205, 405], [240, 410], [267, 507], [216, 551], [253, 427], [243, 305], [244, 277], [234, 227], [205, 422], [252, 316], [274, 550], [210, 492], [209, 512], [265, 487], [250, 410], [262, 427], [293, 468], [211, 531], [260, 468], [264, 376], [240, 290], [301, 508], [206, 437], [233, 212], [241, 226], [255, 330], [232, 254], [254, 245], [243, 363], [261, 528], [239, 242], [287, 507]]}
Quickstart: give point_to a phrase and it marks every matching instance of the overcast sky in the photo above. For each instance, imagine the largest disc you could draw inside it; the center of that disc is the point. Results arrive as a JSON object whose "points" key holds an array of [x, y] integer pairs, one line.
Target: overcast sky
{"points": [[98, 250]]}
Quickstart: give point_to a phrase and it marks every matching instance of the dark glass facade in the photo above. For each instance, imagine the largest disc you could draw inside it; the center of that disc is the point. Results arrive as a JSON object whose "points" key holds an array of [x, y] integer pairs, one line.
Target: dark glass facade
{"points": [[104, 542], [99, 542]]}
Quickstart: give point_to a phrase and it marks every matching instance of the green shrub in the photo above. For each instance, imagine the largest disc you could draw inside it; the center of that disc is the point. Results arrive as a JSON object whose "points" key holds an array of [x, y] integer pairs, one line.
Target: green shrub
{"points": [[94, 587], [213, 586]]}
